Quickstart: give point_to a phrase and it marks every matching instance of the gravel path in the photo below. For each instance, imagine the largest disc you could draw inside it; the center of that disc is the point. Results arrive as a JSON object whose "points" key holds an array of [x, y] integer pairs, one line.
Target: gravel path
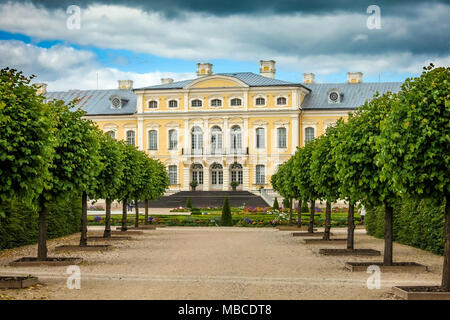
{"points": [[216, 263]]}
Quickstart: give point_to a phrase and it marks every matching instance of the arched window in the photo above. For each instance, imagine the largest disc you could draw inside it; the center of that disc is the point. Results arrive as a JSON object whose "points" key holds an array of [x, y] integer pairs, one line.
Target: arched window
{"points": [[173, 176], [173, 139], [131, 137], [281, 101], [281, 133], [153, 104], [260, 174], [173, 103], [260, 101], [152, 140], [236, 139], [260, 138], [196, 103], [236, 102], [237, 173], [217, 174], [216, 103], [111, 133], [197, 173], [216, 140], [309, 134], [197, 137]]}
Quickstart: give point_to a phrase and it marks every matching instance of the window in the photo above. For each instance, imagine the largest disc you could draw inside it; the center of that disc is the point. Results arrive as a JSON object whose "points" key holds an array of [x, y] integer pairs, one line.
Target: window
{"points": [[236, 173], [196, 103], [216, 140], [197, 173], [282, 143], [173, 175], [236, 139], [111, 133], [260, 101], [153, 140], [173, 104], [217, 174], [236, 102], [197, 137], [260, 138], [216, 103], [153, 104], [309, 134], [281, 101], [131, 137], [173, 139], [260, 174]]}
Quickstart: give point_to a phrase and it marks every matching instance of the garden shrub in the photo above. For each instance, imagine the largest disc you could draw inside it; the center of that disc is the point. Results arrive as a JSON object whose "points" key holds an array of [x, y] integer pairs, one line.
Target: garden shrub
{"points": [[226, 219], [189, 203], [20, 226], [195, 211], [418, 223], [276, 206]]}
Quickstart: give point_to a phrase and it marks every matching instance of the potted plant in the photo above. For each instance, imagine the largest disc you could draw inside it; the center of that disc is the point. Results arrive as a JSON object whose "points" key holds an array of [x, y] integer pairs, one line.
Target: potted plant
{"points": [[193, 184], [234, 185]]}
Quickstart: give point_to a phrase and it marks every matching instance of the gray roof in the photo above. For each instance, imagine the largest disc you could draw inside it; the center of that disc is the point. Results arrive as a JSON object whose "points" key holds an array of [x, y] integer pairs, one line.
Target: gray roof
{"points": [[353, 94], [249, 78], [97, 102]]}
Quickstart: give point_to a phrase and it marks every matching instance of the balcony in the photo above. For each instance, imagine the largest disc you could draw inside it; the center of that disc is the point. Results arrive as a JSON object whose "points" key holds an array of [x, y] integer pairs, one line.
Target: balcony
{"points": [[214, 152]]}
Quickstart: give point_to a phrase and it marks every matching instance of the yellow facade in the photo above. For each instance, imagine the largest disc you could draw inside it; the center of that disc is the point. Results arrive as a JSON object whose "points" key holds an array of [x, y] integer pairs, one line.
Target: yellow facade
{"points": [[257, 135]]}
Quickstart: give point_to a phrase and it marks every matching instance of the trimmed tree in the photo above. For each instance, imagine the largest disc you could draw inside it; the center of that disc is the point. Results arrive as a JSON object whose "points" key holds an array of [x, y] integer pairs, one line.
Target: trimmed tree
{"points": [[301, 172], [226, 218], [110, 177], [323, 175], [276, 206], [27, 139], [415, 144]]}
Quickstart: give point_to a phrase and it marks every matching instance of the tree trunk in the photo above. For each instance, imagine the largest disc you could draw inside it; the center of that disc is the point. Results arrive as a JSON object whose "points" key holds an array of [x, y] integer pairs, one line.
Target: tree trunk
{"points": [[351, 227], [326, 234], [136, 208], [83, 237], [146, 211], [299, 214], [446, 269], [42, 245], [290, 211], [124, 215], [311, 217], [388, 234], [107, 233]]}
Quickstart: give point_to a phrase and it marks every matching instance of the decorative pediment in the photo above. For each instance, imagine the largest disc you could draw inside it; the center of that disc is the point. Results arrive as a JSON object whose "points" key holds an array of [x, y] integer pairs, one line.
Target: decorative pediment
{"points": [[215, 81], [260, 123], [172, 125]]}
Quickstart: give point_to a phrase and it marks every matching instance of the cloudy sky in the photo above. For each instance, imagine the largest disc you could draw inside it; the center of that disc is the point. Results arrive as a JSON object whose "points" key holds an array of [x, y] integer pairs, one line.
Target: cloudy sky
{"points": [[147, 40]]}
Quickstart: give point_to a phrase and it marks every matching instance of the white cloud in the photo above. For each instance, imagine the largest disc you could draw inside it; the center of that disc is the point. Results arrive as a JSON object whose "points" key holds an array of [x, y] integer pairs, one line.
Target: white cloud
{"points": [[64, 68]]}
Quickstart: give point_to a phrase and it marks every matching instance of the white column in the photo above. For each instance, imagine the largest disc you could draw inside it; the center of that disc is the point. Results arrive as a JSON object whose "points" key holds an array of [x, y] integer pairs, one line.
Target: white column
{"points": [[226, 178], [186, 177], [295, 134], [140, 133], [226, 134], [245, 136], [139, 103], [246, 178], [206, 178], [246, 100], [206, 146], [186, 101], [186, 136]]}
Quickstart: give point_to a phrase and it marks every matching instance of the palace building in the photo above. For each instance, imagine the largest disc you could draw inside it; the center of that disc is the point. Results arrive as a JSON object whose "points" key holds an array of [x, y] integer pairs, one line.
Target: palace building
{"points": [[223, 127]]}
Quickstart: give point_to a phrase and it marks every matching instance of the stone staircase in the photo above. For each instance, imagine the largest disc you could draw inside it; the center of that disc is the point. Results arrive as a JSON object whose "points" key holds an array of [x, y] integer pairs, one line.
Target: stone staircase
{"points": [[201, 199]]}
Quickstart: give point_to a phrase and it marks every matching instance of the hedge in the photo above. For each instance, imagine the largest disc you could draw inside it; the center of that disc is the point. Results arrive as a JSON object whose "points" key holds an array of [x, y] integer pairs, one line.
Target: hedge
{"points": [[20, 226], [417, 223]]}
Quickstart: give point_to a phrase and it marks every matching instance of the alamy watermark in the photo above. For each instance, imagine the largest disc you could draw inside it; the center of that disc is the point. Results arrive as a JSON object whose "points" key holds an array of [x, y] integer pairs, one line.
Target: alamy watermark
{"points": [[374, 20], [74, 279], [73, 21], [374, 280]]}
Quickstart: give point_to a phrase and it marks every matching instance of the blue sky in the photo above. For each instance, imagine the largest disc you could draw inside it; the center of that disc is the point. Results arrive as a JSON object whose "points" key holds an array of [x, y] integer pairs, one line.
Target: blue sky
{"points": [[145, 42]]}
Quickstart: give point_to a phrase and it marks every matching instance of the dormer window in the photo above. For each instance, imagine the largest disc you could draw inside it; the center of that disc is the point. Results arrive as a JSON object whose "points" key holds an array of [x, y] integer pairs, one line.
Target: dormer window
{"points": [[260, 101], [196, 103], [334, 96], [116, 102], [281, 101], [236, 102], [173, 104], [153, 104], [216, 103]]}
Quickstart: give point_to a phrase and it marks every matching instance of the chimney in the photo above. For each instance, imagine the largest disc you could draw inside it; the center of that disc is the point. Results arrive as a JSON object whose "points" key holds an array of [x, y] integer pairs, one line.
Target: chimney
{"points": [[125, 84], [354, 77], [41, 88], [267, 68], [309, 78], [204, 69], [166, 80]]}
